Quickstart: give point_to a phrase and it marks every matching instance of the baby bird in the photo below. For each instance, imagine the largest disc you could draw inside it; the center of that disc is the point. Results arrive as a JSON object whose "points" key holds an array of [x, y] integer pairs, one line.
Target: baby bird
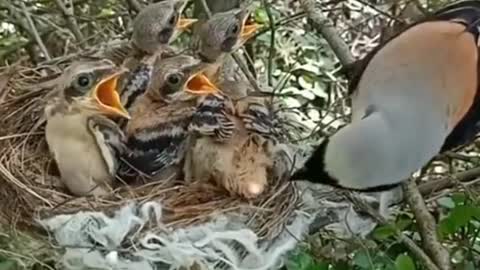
{"points": [[83, 140], [216, 39], [416, 96], [233, 142], [225, 150], [219, 36], [158, 129], [153, 29]]}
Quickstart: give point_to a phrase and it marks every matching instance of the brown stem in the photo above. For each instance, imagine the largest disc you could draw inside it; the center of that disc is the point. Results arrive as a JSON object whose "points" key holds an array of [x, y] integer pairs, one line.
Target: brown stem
{"points": [[70, 19], [427, 226], [331, 35], [34, 31]]}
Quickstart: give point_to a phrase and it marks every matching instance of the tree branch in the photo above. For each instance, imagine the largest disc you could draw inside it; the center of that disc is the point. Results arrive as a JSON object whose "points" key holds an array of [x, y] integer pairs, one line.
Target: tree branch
{"points": [[271, 52], [34, 31], [134, 5], [70, 19], [449, 181], [409, 243], [427, 226], [325, 27]]}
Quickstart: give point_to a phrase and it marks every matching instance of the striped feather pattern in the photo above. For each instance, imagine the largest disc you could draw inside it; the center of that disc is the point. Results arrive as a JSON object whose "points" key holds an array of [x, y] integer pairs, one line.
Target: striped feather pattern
{"points": [[212, 117]]}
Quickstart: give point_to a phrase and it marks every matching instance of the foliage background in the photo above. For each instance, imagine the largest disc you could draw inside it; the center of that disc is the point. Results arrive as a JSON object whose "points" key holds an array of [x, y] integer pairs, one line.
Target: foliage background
{"points": [[291, 55]]}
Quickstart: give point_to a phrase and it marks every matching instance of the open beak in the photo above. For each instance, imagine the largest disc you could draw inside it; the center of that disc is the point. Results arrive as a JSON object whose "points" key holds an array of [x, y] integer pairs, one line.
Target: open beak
{"points": [[107, 97], [184, 23], [248, 30], [199, 84]]}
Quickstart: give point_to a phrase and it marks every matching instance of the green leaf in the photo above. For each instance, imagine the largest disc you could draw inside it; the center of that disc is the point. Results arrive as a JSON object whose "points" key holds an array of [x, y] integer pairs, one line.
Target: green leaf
{"points": [[361, 259], [8, 265], [446, 227], [404, 262], [446, 202], [403, 222], [460, 216], [301, 261], [261, 16], [459, 198], [469, 266], [321, 266], [383, 232], [341, 265]]}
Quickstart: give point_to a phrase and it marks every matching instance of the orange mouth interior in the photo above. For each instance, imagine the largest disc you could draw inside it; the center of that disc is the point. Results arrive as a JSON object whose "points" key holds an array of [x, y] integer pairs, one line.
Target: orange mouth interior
{"points": [[108, 98], [184, 23], [248, 29], [200, 84]]}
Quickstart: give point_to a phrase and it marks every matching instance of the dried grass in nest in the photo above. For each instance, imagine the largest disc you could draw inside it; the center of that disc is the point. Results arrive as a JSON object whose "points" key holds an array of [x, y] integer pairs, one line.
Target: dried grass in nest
{"points": [[29, 191]]}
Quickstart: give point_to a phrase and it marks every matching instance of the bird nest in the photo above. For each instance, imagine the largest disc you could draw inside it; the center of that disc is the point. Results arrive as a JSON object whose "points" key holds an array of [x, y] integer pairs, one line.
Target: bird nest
{"points": [[30, 188]]}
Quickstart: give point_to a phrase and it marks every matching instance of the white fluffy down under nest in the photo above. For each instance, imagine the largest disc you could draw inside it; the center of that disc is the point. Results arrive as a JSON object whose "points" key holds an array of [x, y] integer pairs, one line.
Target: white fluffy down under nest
{"points": [[94, 240]]}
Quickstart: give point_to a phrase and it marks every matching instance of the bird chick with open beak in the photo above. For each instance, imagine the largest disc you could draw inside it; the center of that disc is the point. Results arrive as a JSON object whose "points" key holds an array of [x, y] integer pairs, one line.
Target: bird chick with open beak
{"points": [[226, 149], [153, 29], [221, 35], [232, 146], [157, 132], [81, 136], [216, 39]]}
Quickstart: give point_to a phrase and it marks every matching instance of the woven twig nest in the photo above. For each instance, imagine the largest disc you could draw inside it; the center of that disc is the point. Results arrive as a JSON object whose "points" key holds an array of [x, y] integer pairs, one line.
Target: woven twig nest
{"points": [[31, 190], [158, 225]]}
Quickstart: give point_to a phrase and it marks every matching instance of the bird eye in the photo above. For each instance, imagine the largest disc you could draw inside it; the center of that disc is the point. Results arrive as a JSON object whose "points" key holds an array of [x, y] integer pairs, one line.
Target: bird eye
{"points": [[84, 81], [173, 19], [234, 29], [174, 79]]}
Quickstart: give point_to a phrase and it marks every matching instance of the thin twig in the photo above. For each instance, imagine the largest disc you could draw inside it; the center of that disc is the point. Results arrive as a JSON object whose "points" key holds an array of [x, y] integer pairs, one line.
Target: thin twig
{"points": [[205, 7], [427, 226], [409, 243], [271, 52], [70, 19], [34, 31], [449, 181], [280, 23], [325, 27], [134, 5]]}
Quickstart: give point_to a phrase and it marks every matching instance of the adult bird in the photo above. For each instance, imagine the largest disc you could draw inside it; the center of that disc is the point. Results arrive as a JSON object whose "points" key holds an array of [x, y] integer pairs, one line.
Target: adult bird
{"points": [[416, 96], [154, 28], [158, 129], [81, 136]]}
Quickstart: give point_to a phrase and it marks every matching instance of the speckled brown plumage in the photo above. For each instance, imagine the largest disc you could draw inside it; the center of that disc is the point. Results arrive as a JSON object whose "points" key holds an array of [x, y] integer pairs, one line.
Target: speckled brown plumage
{"points": [[158, 129], [153, 29]]}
